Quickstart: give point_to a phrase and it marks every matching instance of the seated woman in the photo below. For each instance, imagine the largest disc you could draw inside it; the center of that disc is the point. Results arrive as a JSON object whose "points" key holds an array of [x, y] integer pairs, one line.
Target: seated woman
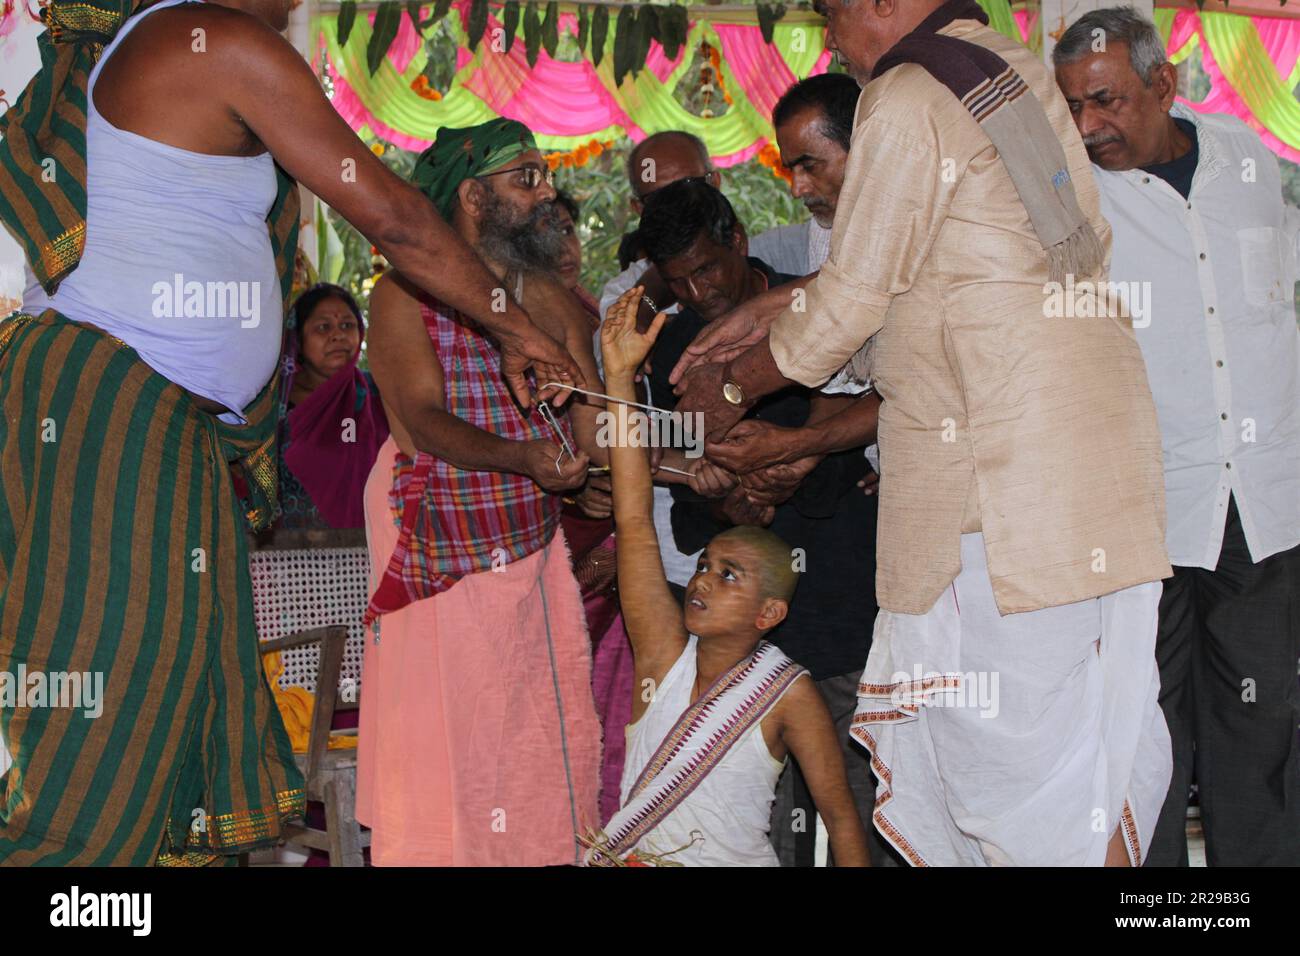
{"points": [[332, 422]]}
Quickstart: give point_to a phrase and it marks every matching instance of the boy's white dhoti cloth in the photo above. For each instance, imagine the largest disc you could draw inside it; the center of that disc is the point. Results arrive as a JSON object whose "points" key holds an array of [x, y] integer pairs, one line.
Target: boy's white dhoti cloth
{"points": [[1013, 740]]}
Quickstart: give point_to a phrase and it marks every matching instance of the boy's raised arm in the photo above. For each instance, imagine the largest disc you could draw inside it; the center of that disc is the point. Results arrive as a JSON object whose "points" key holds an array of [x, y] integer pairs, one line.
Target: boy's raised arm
{"points": [[650, 612]]}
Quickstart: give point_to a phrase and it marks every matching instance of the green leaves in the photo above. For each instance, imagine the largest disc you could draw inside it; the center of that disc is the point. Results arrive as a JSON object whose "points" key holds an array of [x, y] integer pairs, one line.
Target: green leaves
{"points": [[510, 21], [551, 28], [478, 12], [413, 11], [584, 27], [347, 17], [532, 33], [647, 29], [388, 17], [599, 31], [439, 11], [768, 14], [624, 43], [673, 27]]}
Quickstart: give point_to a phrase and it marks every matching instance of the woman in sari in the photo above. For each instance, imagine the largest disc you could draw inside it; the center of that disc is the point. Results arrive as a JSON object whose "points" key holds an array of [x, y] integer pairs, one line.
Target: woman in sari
{"points": [[332, 421]]}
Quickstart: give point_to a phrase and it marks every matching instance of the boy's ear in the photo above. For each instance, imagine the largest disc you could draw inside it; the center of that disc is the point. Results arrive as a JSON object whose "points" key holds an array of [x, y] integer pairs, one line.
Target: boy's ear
{"points": [[771, 614]]}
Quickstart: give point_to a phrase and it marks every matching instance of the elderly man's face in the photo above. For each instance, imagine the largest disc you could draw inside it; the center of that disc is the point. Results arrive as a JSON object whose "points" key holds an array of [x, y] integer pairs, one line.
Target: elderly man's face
{"points": [[815, 161], [1123, 121], [518, 222], [860, 32], [708, 277]]}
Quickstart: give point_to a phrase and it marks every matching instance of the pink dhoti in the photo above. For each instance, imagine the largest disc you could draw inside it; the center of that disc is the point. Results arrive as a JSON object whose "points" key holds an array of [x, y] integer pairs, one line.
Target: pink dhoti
{"points": [[479, 743]]}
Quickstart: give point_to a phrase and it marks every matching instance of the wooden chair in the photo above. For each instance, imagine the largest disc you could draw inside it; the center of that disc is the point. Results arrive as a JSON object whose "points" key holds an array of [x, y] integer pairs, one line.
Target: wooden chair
{"points": [[331, 775]]}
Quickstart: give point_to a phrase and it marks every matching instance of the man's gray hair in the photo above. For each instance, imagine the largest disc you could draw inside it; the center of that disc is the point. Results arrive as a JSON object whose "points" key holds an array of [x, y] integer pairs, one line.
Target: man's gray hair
{"points": [[1146, 50]]}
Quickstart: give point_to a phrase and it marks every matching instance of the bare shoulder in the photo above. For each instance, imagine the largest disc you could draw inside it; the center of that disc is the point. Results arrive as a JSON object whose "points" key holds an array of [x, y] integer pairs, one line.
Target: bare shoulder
{"points": [[392, 292], [205, 32], [801, 703]]}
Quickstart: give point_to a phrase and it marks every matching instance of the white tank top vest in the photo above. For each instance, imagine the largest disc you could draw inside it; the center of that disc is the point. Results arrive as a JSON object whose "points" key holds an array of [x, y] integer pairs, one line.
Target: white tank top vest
{"points": [[178, 261], [732, 806]]}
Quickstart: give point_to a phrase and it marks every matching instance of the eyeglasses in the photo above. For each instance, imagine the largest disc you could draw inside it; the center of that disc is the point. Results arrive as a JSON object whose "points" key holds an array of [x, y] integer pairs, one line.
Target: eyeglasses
{"points": [[534, 176]]}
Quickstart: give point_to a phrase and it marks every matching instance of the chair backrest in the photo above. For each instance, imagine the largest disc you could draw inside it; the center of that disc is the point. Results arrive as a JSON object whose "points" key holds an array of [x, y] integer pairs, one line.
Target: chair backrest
{"points": [[301, 588]]}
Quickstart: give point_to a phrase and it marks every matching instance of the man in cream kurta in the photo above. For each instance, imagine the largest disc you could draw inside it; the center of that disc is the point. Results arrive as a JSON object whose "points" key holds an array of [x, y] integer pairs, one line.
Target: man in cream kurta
{"points": [[1010, 699]]}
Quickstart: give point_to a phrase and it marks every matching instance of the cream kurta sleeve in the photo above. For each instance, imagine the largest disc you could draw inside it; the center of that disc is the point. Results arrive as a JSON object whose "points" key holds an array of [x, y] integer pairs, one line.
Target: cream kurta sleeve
{"points": [[912, 141]]}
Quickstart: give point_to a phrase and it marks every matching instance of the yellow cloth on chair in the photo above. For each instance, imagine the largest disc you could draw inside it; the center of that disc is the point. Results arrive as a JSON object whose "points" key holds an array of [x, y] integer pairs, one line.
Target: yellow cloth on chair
{"points": [[296, 706]]}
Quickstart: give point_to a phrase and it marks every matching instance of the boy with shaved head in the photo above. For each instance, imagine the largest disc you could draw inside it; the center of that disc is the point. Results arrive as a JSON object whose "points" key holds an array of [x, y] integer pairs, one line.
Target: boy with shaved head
{"points": [[717, 708]]}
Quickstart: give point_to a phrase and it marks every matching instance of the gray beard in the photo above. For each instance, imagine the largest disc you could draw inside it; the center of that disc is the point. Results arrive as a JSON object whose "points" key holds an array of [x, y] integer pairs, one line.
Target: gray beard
{"points": [[531, 244]]}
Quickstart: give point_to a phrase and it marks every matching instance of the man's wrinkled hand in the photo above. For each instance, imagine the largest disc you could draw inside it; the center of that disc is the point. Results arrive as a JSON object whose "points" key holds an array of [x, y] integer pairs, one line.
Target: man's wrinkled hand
{"points": [[739, 510], [753, 444], [530, 347], [596, 500], [726, 337], [709, 481], [701, 391], [776, 484], [551, 467]]}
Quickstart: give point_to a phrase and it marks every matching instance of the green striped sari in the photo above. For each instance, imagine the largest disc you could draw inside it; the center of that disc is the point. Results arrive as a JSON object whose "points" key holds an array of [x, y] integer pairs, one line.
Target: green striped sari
{"points": [[122, 548]]}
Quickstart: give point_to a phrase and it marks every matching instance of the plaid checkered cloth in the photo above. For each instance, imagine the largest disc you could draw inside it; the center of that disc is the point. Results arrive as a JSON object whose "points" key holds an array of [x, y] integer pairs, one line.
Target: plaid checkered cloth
{"points": [[455, 522]]}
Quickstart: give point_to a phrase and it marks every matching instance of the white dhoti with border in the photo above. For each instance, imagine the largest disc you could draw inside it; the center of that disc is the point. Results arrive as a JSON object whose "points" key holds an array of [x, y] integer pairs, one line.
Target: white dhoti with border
{"points": [[1017, 740]]}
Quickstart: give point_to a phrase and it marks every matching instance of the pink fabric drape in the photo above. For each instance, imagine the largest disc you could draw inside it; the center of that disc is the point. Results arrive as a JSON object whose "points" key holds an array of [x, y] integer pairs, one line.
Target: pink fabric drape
{"points": [[1025, 22], [757, 66], [553, 98], [1281, 40]]}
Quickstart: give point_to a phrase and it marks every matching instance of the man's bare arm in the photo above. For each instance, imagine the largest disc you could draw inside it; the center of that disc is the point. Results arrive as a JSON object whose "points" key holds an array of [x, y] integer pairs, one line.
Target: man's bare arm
{"points": [[273, 90], [746, 325], [410, 379], [560, 315]]}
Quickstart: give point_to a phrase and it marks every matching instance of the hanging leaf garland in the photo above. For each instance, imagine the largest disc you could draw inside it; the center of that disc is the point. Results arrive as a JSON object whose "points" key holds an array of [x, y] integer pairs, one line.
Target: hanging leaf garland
{"points": [[510, 22], [347, 17], [584, 27], [673, 27], [768, 14], [624, 43], [478, 13], [532, 33], [388, 17], [599, 32], [551, 28], [647, 29], [634, 30]]}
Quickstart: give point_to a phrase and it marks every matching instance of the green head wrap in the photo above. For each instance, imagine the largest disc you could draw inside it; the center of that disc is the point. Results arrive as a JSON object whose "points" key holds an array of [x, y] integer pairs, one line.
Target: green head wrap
{"points": [[463, 153]]}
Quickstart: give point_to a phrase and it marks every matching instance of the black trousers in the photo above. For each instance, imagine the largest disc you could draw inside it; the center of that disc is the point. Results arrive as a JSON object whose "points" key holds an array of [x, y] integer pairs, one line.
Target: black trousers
{"points": [[1227, 648]]}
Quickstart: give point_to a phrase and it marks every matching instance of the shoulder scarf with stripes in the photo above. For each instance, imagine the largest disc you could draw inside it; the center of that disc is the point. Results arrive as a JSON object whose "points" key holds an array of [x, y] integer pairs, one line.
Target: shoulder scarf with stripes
{"points": [[702, 736], [43, 203], [1015, 121]]}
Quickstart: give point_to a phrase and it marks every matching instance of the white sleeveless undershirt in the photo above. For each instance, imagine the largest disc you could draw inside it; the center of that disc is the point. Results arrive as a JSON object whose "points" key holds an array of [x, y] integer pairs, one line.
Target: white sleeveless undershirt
{"points": [[731, 808], [178, 261]]}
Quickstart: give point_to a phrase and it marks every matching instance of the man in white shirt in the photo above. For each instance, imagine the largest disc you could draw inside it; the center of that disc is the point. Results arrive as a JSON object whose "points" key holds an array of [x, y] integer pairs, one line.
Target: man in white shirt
{"points": [[1205, 255]]}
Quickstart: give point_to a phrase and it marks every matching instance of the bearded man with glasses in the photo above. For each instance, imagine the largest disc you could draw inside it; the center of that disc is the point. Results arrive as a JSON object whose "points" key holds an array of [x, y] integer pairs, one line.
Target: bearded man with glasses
{"points": [[479, 742]]}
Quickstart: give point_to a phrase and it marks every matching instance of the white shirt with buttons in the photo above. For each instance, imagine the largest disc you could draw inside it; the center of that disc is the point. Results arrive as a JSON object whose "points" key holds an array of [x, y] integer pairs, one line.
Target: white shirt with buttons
{"points": [[1217, 327]]}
